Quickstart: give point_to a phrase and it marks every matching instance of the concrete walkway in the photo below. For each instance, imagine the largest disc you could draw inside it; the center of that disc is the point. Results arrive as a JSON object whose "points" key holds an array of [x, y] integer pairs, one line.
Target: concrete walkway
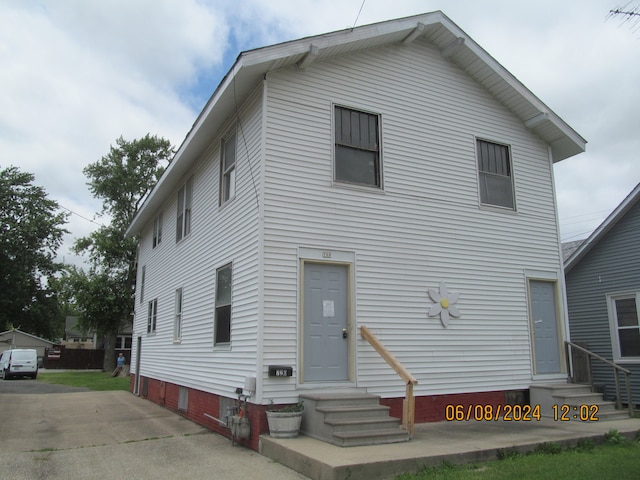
{"points": [[433, 443]]}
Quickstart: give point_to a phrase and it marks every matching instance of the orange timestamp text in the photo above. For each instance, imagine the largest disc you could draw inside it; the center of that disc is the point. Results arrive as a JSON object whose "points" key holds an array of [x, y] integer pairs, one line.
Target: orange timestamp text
{"points": [[479, 412]]}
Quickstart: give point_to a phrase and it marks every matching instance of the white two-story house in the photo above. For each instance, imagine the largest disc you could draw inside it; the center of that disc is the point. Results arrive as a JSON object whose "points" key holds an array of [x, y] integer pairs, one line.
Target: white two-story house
{"points": [[393, 176]]}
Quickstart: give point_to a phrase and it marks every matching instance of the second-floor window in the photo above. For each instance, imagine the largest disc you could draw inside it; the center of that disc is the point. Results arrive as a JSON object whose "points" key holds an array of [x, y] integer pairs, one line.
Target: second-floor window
{"points": [[357, 148], [142, 280], [157, 230], [183, 220], [494, 174], [228, 169]]}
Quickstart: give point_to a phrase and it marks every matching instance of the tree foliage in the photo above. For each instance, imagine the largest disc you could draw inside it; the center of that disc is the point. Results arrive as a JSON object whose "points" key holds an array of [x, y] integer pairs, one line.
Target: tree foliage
{"points": [[122, 179], [31, 231]]}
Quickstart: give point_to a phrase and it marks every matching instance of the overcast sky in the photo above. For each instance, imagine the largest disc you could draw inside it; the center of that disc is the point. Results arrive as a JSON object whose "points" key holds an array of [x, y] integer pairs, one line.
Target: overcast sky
{"points": [[77, 74]]}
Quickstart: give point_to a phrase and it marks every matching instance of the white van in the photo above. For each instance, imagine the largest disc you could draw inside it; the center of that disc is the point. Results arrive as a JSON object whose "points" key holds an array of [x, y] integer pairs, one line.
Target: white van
{"points": [[20, 362]]}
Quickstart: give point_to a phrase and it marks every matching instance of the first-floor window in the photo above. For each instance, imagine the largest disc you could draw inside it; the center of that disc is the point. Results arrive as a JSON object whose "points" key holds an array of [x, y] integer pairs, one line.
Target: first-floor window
{"points": [[152, 316], [177, 322], [222, 322], [625, 325]]}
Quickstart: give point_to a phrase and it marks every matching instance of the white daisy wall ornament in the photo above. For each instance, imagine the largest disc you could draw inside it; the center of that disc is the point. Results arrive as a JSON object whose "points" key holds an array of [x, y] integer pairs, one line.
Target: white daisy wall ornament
{"points": [[445, 304]]}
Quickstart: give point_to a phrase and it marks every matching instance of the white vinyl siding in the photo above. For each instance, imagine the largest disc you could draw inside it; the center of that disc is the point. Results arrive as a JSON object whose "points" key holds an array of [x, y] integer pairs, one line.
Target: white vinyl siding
{"points": [[222, 236], [425, 228]]}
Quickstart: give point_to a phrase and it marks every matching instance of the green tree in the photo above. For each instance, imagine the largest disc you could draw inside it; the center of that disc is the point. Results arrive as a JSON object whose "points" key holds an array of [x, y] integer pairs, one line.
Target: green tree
{"points": [[31, 231], [122, 179]]}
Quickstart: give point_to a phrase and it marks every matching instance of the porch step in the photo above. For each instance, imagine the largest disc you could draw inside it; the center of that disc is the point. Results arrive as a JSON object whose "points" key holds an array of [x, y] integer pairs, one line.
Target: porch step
{"points": [[576, 396], [349, 419]]}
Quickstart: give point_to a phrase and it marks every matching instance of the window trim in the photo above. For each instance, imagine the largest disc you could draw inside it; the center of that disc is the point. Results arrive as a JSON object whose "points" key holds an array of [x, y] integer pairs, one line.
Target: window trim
{"points": [[218, 307], [335, 143], [613, 324], [177, 315], [228, 193], [184, 209], [480, 173], [152, 316]]}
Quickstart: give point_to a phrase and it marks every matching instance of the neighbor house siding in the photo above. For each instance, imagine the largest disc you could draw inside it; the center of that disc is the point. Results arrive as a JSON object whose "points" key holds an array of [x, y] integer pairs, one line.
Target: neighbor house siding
{"points": [[219, 235], [424, 226], [612, 266]]}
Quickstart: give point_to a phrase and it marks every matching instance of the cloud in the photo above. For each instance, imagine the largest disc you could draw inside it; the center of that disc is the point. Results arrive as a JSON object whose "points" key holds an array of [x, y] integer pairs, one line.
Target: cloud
{"points": [[77, 74]]}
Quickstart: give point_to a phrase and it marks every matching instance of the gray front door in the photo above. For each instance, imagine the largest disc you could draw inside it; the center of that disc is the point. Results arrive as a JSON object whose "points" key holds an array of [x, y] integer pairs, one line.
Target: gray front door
{"points": [[545, 326], [326, 344]]}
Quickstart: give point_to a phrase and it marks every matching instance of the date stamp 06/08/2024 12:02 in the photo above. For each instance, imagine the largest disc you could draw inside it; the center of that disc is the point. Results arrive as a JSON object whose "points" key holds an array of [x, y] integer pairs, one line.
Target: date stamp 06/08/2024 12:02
{"points": [[519, 413]]}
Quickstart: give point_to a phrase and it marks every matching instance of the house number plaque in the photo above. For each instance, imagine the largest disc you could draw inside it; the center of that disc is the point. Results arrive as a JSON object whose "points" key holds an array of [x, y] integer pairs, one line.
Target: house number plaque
{"points": [[280, 371]]}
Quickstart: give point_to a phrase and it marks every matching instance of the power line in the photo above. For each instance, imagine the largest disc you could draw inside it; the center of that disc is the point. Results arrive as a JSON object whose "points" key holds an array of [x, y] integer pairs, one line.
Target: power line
{"points": [[359, 12], [81, 216]]}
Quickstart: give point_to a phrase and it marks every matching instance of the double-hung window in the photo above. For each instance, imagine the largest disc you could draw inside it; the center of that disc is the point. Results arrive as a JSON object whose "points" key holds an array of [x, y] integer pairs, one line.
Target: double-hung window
{"points": [[152, 316], [357, 147], [222, 322], [625, 327], [494, 174], [177, 319], [228, 169], [157, 230], [183, 219], [142, 280]]}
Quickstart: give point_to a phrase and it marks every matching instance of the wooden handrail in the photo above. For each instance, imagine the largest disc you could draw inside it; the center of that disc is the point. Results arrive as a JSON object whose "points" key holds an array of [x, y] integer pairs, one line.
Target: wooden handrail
{"points": [[616, 369], [408, 404]]}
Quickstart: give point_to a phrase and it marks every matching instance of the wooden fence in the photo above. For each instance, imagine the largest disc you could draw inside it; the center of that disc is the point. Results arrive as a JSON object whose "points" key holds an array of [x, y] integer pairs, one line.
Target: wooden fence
{"points": [[73, 359]]}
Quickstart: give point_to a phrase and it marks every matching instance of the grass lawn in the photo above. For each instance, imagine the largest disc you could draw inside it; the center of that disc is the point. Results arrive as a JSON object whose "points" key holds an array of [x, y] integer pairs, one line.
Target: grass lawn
{"points": [[93, 380], [615, 462]]}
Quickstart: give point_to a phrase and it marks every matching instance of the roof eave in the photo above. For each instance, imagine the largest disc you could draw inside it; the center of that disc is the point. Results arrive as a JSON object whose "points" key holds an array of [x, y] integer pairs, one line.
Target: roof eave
{"points": [[609, 222], [436, 27]]}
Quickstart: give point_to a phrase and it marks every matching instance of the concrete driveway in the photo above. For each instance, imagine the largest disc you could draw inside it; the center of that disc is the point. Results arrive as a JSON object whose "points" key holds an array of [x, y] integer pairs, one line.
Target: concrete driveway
{"points": [[98, 435]]}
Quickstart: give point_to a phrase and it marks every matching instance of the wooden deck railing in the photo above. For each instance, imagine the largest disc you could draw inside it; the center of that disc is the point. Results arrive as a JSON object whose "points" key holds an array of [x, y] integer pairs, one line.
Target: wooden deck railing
{"points": [[616, 370], [408, 404]]}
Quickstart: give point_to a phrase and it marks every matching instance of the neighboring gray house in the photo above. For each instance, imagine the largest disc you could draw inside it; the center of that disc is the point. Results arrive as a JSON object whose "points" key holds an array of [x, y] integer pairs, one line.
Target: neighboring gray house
{"points": [[603, 295], [391, 176], [18, 339]]}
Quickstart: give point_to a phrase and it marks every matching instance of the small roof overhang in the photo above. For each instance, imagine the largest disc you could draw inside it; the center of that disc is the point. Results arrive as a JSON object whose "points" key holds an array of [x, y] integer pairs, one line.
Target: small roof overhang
{"points": [[251, 66]]}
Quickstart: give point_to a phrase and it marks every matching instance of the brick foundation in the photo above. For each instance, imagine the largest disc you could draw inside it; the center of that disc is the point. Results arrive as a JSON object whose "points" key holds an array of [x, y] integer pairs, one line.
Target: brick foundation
{"points": [[428, 408]]}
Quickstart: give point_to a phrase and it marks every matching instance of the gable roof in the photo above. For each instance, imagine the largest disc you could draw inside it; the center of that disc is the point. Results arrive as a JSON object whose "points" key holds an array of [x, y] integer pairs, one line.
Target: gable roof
{"points": [[5, 337], [436, 27], [613, 218]]}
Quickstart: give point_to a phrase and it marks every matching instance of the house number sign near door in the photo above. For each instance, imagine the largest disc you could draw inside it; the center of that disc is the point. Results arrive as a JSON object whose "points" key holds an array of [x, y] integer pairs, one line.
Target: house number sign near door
{"points": [[328, 309]]}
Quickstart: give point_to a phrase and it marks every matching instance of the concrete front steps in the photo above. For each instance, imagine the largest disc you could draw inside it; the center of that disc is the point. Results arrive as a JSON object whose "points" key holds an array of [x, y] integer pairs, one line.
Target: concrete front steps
{"points": [[578, 397], [349, 419]]}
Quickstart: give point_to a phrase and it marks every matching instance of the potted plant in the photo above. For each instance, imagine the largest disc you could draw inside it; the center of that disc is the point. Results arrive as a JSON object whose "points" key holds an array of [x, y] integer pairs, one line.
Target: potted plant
{"points": [[285, 422]]}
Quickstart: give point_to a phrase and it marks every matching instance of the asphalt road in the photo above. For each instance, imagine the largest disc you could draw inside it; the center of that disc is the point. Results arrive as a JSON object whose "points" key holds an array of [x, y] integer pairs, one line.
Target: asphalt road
{"points": [[50, 432]]}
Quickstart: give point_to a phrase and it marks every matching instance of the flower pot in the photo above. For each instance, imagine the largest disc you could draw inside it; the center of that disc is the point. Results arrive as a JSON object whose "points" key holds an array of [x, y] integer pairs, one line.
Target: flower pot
{"points": [[284, 424]]}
